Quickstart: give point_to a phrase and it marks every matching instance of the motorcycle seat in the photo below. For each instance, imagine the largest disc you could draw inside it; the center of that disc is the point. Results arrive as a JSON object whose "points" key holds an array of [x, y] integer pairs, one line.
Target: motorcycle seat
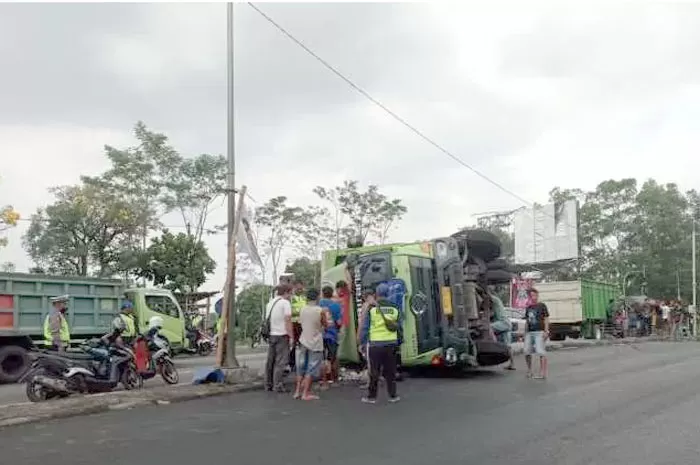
{"points": [[70, 355]]}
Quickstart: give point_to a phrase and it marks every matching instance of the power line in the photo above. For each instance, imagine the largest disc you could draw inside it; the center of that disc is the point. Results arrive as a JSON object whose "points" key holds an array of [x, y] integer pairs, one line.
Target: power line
{"points": [[398, 118]]}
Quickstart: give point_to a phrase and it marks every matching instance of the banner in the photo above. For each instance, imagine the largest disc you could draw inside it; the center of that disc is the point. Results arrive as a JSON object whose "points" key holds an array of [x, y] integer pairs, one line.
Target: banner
{"points": [[246, 239], [519, 293]]}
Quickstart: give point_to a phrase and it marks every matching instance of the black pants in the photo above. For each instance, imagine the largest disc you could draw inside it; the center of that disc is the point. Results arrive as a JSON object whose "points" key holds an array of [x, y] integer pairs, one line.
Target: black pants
{"points": [[277, 353], [296, 327], [382, 361]]}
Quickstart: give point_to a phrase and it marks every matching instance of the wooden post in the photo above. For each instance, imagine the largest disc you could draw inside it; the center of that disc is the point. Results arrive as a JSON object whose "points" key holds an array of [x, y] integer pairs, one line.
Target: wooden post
{"points": [[227, 344]]}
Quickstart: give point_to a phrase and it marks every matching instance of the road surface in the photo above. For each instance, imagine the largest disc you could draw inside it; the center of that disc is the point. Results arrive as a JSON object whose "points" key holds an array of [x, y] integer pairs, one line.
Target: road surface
{"points": [[186, 366], [604, 405]]}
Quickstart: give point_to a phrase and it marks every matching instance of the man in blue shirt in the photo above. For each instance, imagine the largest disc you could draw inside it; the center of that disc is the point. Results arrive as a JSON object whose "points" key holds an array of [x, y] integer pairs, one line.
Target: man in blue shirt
{"points": [[331, 334]]}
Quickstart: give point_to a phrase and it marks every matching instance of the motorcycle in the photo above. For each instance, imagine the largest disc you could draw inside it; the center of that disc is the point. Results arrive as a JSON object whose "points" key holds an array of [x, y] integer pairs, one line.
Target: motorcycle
{"points": [[202, 345], [153, 358], [97, 369]]}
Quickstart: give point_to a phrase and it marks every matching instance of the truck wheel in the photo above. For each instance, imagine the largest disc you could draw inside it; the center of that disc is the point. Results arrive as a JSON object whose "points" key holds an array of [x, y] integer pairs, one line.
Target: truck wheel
{"points": [[14, 362]]}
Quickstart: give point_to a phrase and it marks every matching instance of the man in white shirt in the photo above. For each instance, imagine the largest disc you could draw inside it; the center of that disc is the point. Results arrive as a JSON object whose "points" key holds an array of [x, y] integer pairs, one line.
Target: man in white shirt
{"points": [[279, 313]]}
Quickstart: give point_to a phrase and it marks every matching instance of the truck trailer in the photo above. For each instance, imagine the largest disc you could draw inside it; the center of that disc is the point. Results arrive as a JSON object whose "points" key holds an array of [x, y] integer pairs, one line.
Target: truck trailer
{"points": [[577, 308], [93, 304]]}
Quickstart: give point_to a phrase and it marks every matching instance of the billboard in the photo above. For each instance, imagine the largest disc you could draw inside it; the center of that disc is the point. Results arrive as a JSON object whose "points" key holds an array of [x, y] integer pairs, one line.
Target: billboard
{"points": [[547, 233]]}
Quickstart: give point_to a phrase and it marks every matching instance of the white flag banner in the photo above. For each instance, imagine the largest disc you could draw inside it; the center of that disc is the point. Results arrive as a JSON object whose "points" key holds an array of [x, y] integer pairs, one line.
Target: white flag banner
{"points": [[246, 239]]}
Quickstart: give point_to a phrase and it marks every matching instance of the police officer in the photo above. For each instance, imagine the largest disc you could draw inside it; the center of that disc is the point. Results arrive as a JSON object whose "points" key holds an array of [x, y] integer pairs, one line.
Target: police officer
{"points": [[381, 330], [298, 302], [127, 315], [56, 330], [383, 301]]}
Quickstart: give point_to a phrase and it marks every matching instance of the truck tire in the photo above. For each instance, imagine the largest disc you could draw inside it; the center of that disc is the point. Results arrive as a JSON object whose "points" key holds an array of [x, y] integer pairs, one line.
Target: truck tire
{"points": [[497, 264], [479, 243], [14, 362], [499, 276]]}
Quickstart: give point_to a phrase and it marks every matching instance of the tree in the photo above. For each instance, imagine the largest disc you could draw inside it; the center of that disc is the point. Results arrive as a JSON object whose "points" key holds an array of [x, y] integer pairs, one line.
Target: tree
{"points": [[192, 186], [251, 303], [360, 213], [8, 267], [306, 270], [83, 232], [280, 226], [8, 219], [177, 262], [138, 175], [316, 232]]}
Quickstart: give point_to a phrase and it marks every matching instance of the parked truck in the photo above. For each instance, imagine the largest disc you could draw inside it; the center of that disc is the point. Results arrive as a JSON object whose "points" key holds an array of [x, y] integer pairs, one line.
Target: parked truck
{"points": [[577, 308], [24, 304]]}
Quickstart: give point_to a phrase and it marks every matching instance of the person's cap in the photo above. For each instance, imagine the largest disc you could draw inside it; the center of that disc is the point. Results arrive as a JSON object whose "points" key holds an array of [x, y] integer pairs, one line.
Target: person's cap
{"points": [[127, 305], [60, 299]]}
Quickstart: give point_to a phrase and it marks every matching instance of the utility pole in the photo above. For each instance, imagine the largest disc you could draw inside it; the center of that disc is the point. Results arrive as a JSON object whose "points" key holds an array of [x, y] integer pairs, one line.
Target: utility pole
{"points": [[230, 357], [695, 282]]}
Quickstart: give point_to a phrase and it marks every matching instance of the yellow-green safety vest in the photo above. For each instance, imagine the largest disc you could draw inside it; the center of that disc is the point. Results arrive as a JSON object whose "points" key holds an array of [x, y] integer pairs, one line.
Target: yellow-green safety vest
{"points": [[196, 321], [218, 325], [298, 302], [64, 335], [378, 331], [128, 320]]}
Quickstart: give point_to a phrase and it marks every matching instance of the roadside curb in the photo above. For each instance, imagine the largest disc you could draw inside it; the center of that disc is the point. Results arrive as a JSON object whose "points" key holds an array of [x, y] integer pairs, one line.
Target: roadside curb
{"points": [[554, 346], [19, 414]]}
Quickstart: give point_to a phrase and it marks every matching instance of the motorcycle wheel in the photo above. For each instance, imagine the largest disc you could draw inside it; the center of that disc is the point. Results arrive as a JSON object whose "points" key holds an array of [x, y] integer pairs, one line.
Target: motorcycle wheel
{"points": [[169, 372], [204, 349], [36, 392], [130, 379]]}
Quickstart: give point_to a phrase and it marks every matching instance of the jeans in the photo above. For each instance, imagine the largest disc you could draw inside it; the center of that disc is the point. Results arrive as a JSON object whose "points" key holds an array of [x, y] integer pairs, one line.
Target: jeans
{"points": [[277, 358]]}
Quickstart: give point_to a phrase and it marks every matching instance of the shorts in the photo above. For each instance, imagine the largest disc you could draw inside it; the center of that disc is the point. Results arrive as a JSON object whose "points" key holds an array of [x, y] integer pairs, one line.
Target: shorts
{"points": [[534, 343], [308, 361], [330, 350]]}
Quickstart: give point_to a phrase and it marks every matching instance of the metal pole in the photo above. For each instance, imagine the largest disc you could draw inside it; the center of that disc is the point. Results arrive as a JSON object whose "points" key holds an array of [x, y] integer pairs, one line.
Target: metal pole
{"points": [[231, 178], [678, 284], [695, 281]]}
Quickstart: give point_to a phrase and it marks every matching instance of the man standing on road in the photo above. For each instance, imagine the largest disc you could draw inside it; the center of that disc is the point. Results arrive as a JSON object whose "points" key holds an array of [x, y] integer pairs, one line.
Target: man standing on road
{"points": [[298, 302], [380, 329], [330, 337], [279, 313], [536, 333], [56, 330], [309, 353]]}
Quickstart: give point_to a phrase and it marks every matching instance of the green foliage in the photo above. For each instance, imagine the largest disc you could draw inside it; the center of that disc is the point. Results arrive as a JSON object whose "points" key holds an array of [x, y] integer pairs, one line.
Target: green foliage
{"points": [[282, 225], [251, 303], [83, 232], [358, 213], [8, 219], [176, 261], [642, 234], [306, 270]]}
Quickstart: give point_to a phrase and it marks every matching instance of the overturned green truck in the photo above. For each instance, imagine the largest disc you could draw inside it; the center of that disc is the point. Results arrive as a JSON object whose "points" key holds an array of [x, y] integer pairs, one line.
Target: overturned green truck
{"points": [[441, 286]]}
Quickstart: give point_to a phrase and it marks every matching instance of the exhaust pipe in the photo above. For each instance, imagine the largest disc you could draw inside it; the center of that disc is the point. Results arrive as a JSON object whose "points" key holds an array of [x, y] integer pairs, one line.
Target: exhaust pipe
{"points": [[54, 384]]}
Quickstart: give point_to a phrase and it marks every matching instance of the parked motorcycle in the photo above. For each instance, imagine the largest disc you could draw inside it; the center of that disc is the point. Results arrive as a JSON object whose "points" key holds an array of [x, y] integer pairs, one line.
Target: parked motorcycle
{"points": [[98, 369], [202, 345], [153, 358]]}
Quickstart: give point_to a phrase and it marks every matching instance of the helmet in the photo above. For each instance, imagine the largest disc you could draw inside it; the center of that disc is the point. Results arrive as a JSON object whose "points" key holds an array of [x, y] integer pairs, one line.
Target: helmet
{"points": [[127, 305], [382, 290], [118, 325], [155, 322]]}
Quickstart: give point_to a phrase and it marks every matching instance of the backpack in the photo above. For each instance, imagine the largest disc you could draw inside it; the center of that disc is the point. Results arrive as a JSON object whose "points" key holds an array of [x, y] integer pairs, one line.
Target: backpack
{"points": [[265, 328]]}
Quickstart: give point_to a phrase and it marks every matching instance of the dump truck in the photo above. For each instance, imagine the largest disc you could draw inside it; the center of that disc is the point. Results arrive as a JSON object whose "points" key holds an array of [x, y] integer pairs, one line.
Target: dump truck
{"points": [[441, 287], [577, 308], [93, 304]]}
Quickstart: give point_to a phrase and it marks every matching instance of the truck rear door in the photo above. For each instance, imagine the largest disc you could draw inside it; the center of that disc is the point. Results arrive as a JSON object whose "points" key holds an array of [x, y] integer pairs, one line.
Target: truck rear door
{"points": [[563, 299]]}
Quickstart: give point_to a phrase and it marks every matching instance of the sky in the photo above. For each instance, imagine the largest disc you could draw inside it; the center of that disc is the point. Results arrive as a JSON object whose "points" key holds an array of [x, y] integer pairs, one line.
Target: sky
{"points": [[532, 94]]}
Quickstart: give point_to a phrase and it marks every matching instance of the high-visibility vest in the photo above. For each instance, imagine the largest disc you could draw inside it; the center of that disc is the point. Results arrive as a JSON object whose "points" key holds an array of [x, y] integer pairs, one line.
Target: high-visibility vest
{"points": [[298, 302], [378, 332], [130, 330], [218, 325], [196, 321], [64, 335]]}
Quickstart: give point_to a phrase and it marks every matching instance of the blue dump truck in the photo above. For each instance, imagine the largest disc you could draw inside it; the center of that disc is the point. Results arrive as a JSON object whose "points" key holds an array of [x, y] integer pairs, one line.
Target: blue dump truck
{"points": [[24, 304]]}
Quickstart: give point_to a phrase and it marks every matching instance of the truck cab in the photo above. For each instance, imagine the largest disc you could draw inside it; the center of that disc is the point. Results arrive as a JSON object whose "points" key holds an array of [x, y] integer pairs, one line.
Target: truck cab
{"points": [[162, 303]]}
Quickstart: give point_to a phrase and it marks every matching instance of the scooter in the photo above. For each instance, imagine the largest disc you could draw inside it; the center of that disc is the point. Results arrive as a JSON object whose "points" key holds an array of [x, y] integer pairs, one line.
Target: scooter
{"points": [[203, 344], [100, 369], [153, 358]]}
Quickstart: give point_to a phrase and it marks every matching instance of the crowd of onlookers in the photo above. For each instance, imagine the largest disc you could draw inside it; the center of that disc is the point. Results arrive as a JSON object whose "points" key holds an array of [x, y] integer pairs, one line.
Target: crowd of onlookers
{"points": [[648, 317]]}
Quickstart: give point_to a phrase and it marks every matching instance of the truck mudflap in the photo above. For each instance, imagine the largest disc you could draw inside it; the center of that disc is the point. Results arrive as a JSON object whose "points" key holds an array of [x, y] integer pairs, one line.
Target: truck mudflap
{"points": [[490, 353]]}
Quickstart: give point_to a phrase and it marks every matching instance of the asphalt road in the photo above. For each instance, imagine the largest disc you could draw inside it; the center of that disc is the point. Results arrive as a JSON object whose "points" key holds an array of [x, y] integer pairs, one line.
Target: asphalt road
{"points": [[186, 366], [603, 405]]}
